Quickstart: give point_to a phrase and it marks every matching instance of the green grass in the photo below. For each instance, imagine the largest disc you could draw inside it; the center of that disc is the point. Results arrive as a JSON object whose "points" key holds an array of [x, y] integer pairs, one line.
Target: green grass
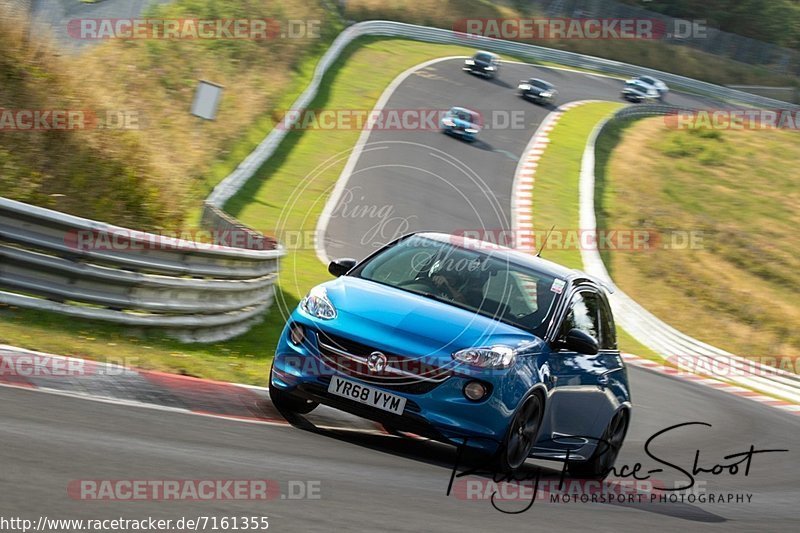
{"points": [[555, 193], [738, 289], [261, 204]]}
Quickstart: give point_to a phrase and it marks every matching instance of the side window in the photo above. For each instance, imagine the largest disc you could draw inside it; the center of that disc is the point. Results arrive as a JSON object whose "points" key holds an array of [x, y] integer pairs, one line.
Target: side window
{"points": [[609, 333], [583, 314]]}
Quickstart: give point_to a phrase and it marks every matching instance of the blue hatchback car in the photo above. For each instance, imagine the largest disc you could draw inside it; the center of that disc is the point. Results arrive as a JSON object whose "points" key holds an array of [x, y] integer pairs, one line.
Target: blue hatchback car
{"points": [[466, 343], [462, 122]]}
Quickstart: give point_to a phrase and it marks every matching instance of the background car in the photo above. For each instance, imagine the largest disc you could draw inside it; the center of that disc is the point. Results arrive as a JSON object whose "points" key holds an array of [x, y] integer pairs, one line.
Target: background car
{"points": [[639, 91], [659, 85], [537, 90], [465, 343], [483, 63], [462, 122]]}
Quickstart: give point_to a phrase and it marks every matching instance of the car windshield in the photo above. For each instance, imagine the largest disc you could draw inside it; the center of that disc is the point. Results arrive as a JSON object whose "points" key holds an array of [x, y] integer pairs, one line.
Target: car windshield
{"points": [[540, 84], [478, 280], [645, 79], [486, 58], [461, 114]]}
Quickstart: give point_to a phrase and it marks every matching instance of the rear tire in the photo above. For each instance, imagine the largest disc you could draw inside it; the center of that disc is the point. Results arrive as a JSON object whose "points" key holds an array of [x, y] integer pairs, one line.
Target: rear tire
{"points": [[605, 455], [287, 403]]}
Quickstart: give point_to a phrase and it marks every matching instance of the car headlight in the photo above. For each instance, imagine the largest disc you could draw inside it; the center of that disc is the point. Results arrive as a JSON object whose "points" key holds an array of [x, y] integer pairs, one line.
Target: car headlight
{"points": [[523, 87], [470, 130], [546, 94], [487, 357], [317, 304], [448, 122], [490, 68], [469, 62]]}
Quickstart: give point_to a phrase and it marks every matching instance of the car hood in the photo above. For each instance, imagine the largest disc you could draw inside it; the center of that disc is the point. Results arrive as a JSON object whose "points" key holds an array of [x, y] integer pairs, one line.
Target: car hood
{"points": [[464, 123], [406, 323]]}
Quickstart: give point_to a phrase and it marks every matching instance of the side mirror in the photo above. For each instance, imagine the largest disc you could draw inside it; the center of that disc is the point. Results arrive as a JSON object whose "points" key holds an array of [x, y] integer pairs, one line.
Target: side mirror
{"points": [[581, 342], [340, 267]]}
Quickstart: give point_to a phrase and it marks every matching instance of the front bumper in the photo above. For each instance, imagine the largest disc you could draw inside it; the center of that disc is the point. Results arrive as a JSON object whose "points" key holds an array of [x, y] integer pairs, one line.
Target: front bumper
{"points": [[631, 97], [476, 69], [441, 413], [458, 131], [535, 97]]}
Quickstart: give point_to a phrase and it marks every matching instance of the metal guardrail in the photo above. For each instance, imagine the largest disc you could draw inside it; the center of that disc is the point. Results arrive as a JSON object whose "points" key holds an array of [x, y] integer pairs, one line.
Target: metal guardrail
{"points": [[646, 327], [233, 182], [194, 291]]}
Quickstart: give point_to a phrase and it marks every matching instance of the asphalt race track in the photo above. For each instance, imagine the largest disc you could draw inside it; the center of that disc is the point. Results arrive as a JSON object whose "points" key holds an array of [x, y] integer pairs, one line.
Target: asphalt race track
{"points": [[375, 482], [433, 181]]}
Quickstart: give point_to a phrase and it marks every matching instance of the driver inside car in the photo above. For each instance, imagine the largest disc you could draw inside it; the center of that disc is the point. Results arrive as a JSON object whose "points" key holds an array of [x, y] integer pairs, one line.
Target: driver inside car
{"points": [[452, 284], [462, 283]]}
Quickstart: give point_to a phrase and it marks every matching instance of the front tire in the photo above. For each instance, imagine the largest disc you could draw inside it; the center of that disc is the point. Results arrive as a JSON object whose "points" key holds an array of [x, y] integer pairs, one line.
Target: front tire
{"points": [[605, 454], [287, 403], [522, 433]]}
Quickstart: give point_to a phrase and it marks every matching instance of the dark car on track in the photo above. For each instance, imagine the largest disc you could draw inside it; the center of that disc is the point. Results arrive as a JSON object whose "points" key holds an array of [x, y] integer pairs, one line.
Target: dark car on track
{"points": [[537, 90], [464, 342], [483, 63]]}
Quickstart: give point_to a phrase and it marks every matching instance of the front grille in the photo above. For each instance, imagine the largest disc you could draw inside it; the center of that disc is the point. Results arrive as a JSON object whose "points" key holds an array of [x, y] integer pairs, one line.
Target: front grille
{"points": [[413, 375]]}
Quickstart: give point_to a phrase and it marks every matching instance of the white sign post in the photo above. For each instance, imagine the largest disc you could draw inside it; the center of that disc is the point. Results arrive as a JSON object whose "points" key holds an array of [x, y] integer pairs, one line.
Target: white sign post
{"points": [[206, 100]]}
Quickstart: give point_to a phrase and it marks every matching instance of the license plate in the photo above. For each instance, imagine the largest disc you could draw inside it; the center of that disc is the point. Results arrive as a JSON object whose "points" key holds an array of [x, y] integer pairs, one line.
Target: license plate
{"points": [[371, 396]]}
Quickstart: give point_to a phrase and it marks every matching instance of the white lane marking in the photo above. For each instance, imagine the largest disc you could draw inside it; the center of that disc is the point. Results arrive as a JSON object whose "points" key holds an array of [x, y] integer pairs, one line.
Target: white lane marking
{"points": [[355, 155], [167, 408]]}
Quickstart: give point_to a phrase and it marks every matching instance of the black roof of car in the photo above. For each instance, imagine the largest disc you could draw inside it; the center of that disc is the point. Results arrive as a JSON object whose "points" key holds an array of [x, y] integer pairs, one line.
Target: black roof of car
{"points": [[514, 256]]}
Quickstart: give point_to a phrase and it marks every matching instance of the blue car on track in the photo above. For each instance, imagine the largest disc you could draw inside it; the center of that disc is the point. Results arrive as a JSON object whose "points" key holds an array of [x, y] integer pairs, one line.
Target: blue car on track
{"points": [[462, 122], [467, 343]]}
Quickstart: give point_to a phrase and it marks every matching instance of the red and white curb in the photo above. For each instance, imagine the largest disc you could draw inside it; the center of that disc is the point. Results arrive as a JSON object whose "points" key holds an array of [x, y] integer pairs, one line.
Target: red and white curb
{"points": [[525, 178], [523, 226], [718, 384], [123, 385]]}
